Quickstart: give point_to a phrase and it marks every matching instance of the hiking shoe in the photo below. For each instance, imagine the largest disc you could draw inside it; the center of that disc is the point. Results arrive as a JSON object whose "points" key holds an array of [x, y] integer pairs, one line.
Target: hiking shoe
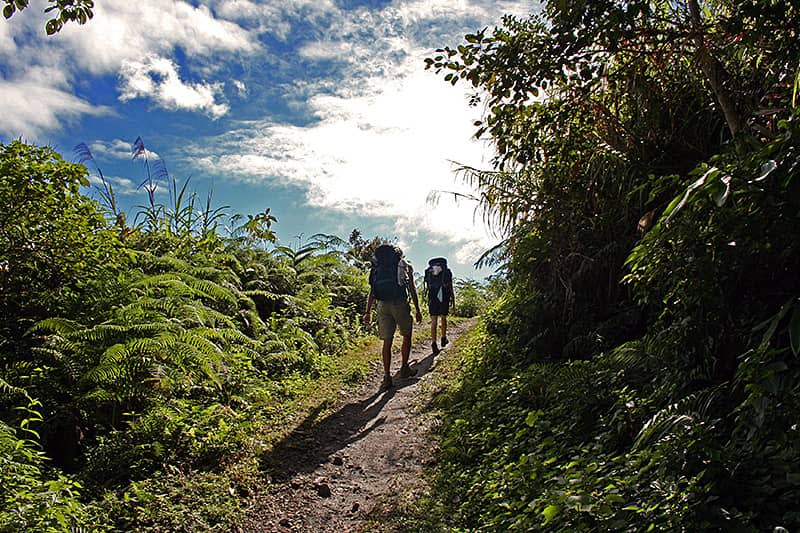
{"points": [[444, 341], [406, 371], [386, 384], [435, 348]]}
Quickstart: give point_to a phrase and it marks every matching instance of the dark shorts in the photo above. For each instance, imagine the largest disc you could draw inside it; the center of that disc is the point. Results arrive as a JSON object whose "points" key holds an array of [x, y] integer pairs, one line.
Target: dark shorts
{"points": [[437, 308]]}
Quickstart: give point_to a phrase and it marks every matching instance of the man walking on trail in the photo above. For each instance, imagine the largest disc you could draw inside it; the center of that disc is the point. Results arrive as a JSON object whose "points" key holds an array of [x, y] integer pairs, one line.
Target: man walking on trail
{"points": [[391, 280], [441, 297]]}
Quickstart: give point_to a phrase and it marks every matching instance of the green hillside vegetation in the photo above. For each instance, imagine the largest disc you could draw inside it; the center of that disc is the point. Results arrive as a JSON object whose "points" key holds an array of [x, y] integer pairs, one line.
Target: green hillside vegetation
{"points": [[641, 373], [637, 365], [144, 368], [147, 367]]}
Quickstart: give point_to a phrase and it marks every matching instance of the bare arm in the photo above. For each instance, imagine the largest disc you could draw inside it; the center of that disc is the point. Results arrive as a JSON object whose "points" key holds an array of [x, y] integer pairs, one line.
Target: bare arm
{"points": [[368, 313]]}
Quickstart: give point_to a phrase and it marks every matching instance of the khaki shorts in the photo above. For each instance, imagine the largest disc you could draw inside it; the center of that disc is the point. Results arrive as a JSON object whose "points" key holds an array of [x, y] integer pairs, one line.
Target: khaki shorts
{"points": [[392, 315]]}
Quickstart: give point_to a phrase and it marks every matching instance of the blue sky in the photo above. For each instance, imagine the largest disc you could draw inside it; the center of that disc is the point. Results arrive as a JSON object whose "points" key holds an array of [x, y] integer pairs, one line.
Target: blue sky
{"points": [[320, 110]]}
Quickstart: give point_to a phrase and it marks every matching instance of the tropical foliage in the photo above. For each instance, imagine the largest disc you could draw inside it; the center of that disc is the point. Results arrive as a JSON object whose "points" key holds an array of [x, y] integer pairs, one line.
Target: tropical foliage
{"points": [[137, 361], [641, 371]]}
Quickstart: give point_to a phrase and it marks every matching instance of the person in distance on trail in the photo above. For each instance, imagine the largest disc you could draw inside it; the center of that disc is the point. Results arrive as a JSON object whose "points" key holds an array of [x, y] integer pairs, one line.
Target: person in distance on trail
{"points": [[441, 297], [391, 280]]}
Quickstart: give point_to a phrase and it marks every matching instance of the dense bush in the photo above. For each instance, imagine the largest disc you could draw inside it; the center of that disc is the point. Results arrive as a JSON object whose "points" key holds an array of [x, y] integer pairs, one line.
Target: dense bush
{"points": [[641, 372], [142, 358]]}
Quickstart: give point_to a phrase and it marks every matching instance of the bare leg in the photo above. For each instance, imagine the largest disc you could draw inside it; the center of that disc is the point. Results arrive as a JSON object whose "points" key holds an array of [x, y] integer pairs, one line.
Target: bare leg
{"points": [[444, 327], [386, 354], [433, 327], [405, 350]]}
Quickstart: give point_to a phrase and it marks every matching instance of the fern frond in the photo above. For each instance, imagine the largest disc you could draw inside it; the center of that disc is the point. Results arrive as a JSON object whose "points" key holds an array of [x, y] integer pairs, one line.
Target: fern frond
{"points": [[8, 388], [223, 334], [100, 395], [100, 333], [144, 346], [105, 373], [267, 295], [56, 347], [119, 359], [573, 374], [146, 306], [202, 344], [62, 326], [685, 412], [170, 262], [273, 346], [170, 281], [71, 364], [210, 289], [216, 319]]}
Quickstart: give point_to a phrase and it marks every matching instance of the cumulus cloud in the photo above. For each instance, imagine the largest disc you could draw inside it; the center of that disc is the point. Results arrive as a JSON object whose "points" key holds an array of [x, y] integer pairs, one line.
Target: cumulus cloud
{"points": [[385, 133], [31, 110], [126, 31], [157, 78], [122, 39], [378, 154]]}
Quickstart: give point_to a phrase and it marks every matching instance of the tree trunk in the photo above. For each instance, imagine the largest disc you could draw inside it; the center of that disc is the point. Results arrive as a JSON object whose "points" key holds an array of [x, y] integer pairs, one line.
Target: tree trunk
{"points": [[715, 73]]}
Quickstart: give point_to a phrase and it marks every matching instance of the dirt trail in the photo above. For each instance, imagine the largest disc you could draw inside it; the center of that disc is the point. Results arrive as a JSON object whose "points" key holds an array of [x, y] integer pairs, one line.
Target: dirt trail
{"points": [[347, 470]]}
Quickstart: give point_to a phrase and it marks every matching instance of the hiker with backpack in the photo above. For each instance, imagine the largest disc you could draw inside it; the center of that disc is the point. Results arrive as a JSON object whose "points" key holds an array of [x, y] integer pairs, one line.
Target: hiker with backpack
{"points": [[441, 297], [391, 280]]}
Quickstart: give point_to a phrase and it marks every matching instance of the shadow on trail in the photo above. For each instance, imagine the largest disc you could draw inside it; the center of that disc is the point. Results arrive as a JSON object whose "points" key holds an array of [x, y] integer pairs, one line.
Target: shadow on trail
{"points": [[314, 441]]}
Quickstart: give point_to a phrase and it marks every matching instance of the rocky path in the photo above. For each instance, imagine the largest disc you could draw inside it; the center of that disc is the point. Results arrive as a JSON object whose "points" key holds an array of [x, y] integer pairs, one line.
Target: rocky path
{"points": [[344, 472]]}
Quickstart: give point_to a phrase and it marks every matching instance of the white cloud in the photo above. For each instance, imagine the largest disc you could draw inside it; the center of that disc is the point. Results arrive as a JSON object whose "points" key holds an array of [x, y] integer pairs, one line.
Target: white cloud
{"points": [[385, 132], [121, 33], [120, 186], [31, 110], [118, 149], [275, 18], [157, 78], [379, 154], [127, 31], [241, 88], [7, 45]]}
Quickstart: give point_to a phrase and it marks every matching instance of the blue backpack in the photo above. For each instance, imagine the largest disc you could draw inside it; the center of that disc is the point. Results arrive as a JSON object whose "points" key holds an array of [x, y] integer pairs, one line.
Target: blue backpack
{"points": [[383, 278]]}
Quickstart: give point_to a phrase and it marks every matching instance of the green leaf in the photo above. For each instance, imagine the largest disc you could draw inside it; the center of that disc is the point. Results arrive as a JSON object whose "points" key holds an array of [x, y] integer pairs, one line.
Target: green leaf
{"points": [[52, 26], [615, 498], [550, 512], [678, 202], [794, 331], [773, 324], [532, 417], [766, 169], [723, 190]]}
